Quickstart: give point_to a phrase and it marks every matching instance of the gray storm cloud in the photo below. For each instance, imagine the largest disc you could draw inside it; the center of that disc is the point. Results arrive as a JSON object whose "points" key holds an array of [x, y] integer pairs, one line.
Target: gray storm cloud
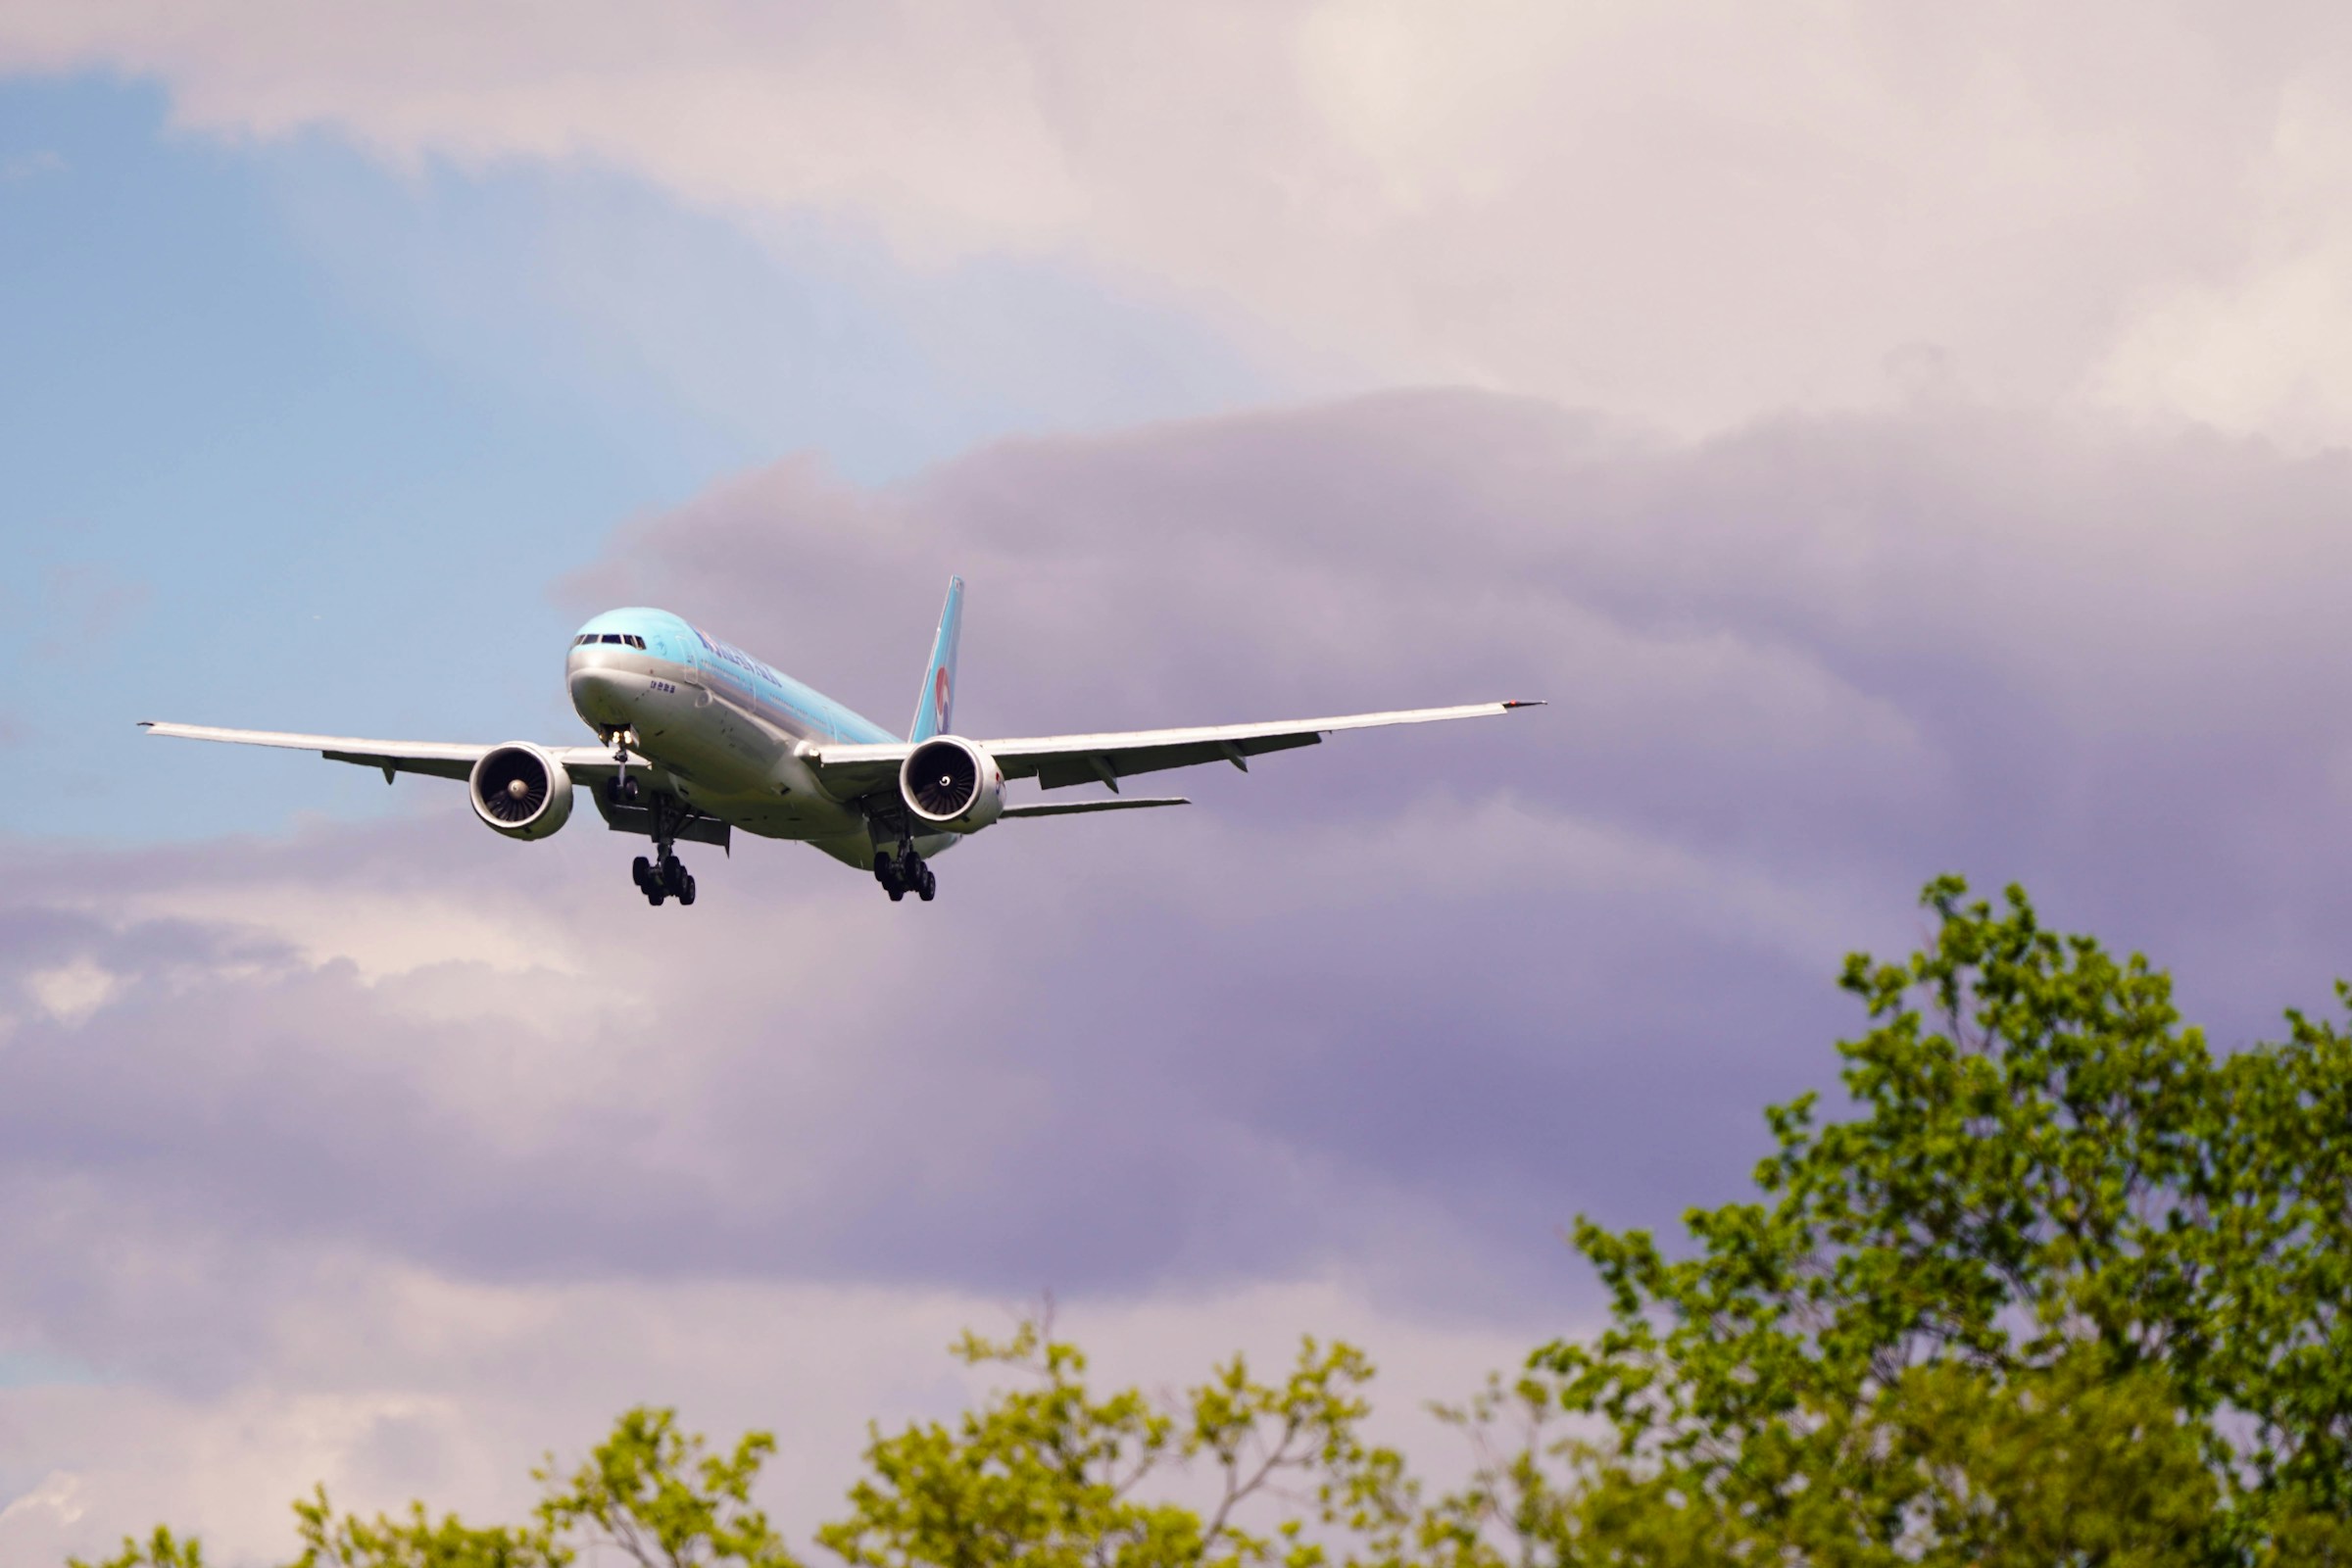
{"points": [[1493, 973], [1389, 1011]]}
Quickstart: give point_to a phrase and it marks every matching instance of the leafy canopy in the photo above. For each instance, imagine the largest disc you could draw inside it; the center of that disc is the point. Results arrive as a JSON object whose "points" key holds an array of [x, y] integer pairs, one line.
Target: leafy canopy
{"points": [[2052, 1193]]}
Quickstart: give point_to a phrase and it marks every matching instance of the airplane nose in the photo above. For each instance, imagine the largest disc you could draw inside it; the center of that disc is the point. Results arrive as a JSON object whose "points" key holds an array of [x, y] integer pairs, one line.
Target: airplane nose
{"points": [[599, 695]]}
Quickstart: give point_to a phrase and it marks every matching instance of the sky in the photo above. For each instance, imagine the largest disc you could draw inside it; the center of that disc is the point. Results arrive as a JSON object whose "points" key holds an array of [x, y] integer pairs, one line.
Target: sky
{"points": [[1894, 444]]}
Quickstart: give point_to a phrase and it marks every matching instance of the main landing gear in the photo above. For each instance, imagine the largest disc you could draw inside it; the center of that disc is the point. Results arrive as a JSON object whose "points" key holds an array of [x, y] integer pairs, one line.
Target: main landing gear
{"points": [[905, 872], [663, 878]]}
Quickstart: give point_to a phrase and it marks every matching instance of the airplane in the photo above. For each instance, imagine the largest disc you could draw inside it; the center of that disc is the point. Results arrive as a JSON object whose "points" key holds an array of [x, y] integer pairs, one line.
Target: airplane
{"points": [[697, 738]]}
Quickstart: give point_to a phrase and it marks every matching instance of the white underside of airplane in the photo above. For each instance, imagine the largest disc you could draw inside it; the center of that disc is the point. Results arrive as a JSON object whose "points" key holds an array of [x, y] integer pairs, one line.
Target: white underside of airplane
{"points": [[697, 739]]}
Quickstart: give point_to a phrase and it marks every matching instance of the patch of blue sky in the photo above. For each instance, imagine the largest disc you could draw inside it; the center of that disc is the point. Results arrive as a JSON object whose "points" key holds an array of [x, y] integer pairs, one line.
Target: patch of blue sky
{"points": [[38, 1369], [294, 440]]}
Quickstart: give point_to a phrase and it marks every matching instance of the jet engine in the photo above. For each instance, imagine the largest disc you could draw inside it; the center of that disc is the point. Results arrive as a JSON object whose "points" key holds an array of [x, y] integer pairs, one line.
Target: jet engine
{"points": [[952, 784], [521, 791]]}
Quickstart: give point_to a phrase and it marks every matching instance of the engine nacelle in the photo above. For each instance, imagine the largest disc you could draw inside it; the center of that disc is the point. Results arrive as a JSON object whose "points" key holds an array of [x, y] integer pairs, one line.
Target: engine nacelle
{"points": [[952, 784], [521, 791]]}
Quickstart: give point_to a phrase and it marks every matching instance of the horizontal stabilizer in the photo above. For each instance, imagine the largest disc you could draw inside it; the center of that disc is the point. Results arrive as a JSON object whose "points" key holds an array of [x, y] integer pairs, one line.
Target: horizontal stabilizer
{"points": [[1073, 808]]}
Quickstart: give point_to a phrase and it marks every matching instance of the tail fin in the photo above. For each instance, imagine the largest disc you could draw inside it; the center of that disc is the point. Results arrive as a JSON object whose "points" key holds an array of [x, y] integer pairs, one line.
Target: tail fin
{"points": [[936, 711]]}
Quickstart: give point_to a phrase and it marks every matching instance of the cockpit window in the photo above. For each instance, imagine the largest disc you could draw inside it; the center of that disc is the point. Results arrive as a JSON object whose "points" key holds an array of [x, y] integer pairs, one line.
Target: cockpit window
{"points": [[584, 637], [611, 636], [636, 640]]}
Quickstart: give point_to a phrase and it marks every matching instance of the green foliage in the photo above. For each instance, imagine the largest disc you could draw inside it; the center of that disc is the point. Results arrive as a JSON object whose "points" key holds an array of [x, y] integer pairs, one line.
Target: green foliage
{"points": [[2054, 1204], [1051, 1474], [653, 1490], [414, 1541], [1949, 1468], [163, 1550]]}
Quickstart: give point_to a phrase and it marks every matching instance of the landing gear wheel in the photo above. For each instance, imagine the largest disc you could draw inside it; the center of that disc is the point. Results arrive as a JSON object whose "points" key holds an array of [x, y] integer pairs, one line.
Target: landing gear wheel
{"points": [[662, 880], [900, 874], [903, 873], [928, 886]]}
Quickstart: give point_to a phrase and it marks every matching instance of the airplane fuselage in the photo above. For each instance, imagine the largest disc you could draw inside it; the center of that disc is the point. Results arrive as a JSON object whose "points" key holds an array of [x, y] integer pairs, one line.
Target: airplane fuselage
{"points": [[722, 730]]}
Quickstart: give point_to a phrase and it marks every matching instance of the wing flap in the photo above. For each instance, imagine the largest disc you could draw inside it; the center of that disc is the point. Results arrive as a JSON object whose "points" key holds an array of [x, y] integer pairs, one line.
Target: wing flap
{"points": [[1055, 770], [436, 767], [1079, 807]]}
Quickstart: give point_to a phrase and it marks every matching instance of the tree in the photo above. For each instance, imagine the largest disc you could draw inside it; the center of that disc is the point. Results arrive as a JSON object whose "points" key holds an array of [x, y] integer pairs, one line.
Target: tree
{"points": [[415, 1541], [2054, 1207], [655, 1493], [1052, 1476], [162, 1549]]}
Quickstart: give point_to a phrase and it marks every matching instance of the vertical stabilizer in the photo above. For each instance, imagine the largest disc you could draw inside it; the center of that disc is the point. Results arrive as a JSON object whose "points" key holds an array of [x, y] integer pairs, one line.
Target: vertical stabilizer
{"points": [[936, 711]]}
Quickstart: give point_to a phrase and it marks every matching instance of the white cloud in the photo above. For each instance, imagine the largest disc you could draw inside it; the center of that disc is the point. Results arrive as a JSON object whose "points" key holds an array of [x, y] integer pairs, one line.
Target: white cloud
{"points": [[2264, 343], [58, 1495], [35, 1526], [1687, 213], [71, 992], [382, 935]]}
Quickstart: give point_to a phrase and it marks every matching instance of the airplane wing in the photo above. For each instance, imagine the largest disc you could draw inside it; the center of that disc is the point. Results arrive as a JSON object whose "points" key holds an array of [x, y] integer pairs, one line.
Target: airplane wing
{"points": [[1056, 760], [441, 758]]}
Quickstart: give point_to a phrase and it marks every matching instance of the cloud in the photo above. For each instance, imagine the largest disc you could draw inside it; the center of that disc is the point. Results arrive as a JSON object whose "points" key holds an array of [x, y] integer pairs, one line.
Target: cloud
{"points": [[299, 1135], [2261, 344], [71, 992], [34, 164], [1689, 213], [1409, 994], [387, 1383], [1822, 648]]}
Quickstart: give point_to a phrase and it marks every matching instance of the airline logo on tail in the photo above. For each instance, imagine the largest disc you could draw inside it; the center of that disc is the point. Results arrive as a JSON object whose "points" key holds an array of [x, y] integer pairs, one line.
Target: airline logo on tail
{"points": [[931, 714]]}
